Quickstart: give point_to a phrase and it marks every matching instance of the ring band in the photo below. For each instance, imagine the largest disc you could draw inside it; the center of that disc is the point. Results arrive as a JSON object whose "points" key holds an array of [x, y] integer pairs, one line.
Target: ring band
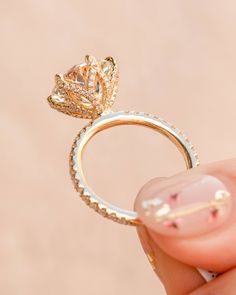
{"points": [[88, 91], [107, 121]]}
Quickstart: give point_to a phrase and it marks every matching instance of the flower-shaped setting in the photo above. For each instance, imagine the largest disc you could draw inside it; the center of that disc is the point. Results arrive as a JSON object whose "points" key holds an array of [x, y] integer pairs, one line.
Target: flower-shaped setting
{"points": [[86, 90]]}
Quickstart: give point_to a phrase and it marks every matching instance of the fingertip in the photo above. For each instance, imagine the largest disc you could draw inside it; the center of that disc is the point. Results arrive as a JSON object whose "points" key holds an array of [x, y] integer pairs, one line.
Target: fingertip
{"points": [[201, 240]]}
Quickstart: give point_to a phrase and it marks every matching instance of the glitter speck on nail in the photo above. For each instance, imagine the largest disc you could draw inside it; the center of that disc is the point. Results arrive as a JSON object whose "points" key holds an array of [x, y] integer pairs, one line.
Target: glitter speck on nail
{"points": [[221, 195], [173, 198], [175, 224], [164, 210], [214, 214], [153, 202]]}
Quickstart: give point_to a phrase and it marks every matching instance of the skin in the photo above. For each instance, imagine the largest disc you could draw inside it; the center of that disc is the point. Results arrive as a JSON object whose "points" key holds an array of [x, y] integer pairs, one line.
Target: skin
{"points": [[175, 259]]}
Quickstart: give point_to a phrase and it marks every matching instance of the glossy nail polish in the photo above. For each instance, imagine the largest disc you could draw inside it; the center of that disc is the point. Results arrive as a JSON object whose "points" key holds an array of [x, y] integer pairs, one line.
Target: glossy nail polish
{"points": [[186, 206]]}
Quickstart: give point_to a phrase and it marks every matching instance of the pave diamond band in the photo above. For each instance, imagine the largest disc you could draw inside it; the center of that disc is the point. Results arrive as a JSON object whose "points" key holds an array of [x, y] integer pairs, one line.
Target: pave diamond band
{"points": [[107, 121]]}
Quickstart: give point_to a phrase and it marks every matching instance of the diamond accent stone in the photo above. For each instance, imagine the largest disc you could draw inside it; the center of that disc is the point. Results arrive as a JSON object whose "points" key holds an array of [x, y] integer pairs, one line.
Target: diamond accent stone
{"points": [[86, 90]]}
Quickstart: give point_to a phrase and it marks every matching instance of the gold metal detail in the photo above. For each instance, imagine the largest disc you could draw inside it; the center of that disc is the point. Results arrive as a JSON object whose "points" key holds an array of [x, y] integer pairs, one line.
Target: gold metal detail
{"points": [[107, 121], [88, 91], [220, 200]]}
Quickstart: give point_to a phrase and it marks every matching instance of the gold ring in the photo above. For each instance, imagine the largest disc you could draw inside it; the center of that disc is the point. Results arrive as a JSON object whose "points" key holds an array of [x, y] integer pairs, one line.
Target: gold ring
{"points": [[88, 91]]}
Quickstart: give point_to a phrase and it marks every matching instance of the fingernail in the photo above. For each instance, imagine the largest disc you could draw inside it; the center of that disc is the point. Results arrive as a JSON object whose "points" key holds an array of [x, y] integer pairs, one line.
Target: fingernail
{"points": [[186, 206]]}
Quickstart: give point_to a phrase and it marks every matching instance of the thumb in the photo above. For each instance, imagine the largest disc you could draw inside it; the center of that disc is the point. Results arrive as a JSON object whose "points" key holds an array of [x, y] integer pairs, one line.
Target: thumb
{"points": [[189, 221], [170, 271], [192, 216]]}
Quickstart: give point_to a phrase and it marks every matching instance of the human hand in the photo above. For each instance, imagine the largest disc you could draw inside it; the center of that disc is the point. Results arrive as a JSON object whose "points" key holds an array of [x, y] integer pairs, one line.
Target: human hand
{"points": [[189, 224]]}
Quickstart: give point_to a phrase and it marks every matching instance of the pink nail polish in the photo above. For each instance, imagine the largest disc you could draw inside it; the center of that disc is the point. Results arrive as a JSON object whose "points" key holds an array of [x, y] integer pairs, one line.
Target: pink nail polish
{"points": [[187, 206]]}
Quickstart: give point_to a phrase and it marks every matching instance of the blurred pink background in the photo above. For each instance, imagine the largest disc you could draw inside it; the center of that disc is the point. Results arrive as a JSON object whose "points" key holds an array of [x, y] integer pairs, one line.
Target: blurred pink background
{"points": [[177, 60]]}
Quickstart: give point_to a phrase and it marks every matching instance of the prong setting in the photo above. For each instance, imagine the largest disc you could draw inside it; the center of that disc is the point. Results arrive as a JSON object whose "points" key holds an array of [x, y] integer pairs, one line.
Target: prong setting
{"points": [[86, 90]]}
